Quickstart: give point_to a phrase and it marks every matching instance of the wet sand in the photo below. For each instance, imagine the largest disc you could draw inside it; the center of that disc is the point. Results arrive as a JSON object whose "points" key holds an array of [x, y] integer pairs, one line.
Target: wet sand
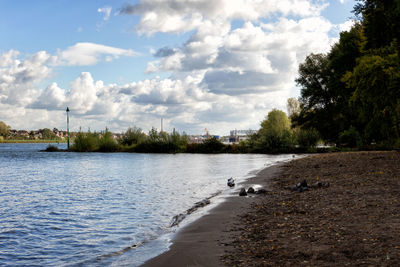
{"points": [[205, 241]]}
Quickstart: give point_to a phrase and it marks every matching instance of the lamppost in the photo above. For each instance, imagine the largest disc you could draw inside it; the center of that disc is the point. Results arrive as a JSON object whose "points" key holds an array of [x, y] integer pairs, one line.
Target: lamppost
{"points": [[67, 128]]}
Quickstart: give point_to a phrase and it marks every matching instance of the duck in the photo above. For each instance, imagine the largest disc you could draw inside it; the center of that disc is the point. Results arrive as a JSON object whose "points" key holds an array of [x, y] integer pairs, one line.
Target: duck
{"points": [[231, 182]]}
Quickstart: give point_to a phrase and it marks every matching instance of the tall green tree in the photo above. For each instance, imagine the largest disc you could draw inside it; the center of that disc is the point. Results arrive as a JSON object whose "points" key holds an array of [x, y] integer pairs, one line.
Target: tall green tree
{"points": [[381, 21], [275, 134], [47, 134], [4, 129], [376, 99], [293, 107], [325, 97]]}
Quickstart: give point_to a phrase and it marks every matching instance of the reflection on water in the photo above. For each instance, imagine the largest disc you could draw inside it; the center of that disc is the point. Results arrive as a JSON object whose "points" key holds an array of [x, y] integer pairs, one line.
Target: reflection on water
{"points": [[97, 209]]}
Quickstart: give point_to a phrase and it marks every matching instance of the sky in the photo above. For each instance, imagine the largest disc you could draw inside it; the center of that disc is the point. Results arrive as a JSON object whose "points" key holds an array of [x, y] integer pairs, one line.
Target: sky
{"points": [[197, 64]]}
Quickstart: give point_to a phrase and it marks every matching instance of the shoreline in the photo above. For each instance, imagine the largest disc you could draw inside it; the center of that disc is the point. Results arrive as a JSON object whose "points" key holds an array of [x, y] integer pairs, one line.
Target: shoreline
{"points": [[203, 241], [346, 214]]}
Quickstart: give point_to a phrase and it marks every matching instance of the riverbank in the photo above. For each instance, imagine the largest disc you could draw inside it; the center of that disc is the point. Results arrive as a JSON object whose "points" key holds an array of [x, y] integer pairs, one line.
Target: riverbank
{"points": [[355, 221], [202, 243]]}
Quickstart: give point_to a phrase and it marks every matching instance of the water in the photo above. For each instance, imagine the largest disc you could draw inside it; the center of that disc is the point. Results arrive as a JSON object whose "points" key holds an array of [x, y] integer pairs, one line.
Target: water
{"points": [[94, 209]]}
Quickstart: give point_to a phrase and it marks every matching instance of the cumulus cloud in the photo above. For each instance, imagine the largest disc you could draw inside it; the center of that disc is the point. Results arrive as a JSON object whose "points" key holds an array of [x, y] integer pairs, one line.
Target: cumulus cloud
{"points": [[165, 52], [222, 77], [346, 26], [52, 98], [84, 54], [182, 16], [250, 59], [18, 78]]}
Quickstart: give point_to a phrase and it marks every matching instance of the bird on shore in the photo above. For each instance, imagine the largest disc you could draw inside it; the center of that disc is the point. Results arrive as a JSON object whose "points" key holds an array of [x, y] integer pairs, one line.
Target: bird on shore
{"points": [[231, 182]]}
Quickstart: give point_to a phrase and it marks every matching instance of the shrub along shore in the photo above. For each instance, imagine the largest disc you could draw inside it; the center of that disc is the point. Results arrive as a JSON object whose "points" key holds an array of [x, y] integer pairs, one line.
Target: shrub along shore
{"points": [[276, 135], [134, 140]]}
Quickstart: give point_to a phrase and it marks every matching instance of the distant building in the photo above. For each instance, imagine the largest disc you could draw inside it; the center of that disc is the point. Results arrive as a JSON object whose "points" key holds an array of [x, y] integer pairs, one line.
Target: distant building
{"points": [[198, 139], [240, 135]]}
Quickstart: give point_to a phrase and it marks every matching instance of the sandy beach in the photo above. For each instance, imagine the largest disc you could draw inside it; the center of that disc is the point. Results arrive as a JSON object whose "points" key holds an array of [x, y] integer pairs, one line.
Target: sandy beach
{"points": [[355, 221], [205, 241]]}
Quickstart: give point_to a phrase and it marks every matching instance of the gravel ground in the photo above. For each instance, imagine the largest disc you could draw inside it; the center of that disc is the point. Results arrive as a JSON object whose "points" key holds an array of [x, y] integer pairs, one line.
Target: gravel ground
{"points": [[353, 222]]}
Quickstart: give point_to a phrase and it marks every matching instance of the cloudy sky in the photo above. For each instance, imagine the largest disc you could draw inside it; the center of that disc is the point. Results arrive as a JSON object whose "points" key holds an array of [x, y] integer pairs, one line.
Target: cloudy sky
{"points": [[215, 64]]}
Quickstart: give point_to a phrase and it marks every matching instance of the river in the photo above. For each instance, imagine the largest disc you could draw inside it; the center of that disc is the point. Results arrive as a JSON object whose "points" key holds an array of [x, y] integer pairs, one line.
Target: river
{"points": [[101, 209]]}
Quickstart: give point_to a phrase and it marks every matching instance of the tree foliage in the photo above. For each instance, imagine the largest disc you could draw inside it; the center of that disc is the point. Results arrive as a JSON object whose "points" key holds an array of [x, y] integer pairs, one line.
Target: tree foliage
{"points": [[293, 107], [324, 96], [132, 136], [275, 134], [357, 82], [47, 134], [4, 129], [376, 96]]}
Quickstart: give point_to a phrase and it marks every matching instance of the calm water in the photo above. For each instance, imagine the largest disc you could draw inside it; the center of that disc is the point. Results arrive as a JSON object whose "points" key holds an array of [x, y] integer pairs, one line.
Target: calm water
{"points": [[94, 209]]}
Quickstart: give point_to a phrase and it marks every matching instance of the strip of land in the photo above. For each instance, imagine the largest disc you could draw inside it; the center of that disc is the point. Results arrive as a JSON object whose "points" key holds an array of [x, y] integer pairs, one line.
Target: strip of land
{"points": [[355, 221]]}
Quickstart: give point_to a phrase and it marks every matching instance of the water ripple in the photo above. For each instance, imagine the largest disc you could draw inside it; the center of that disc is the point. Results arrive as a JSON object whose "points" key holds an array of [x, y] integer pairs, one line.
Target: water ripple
{"points": [[91, 209]]}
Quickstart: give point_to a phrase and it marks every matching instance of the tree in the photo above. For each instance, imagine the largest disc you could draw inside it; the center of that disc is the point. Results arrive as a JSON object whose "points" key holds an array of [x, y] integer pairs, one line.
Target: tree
{"points": [[107, 142], [276, 122], [153, 135], [47, 134], [316, 99], [133, 136], [4, 129], [381, 22], [275, 134], [357, 83], [293, 107], [325, 97], [376, 80]]}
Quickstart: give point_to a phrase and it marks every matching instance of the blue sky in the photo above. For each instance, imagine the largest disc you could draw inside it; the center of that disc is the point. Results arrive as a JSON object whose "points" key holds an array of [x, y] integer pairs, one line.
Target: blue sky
{"points": [[219, 65]]}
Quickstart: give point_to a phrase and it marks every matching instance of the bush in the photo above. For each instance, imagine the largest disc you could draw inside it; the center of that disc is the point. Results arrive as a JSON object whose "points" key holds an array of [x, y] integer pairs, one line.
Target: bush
{"points": [[274, 142], [52, 148], [308, 138], [209, 146], [107, 143], [85, 142], [133, 136], [350, 138]]}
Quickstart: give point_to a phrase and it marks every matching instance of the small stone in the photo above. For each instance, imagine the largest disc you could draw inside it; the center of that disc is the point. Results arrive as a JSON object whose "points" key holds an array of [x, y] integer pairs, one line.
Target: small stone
{"points": [[251, 190], [316, 185], [301, 187], [303, 183], [231, 182], [242, 192], [261, 191]]}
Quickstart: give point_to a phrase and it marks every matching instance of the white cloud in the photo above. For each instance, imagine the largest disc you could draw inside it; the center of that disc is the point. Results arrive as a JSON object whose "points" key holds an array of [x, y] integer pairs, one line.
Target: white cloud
{"points": [[346, 26], [18, 78], [250, 59], [221, 77], [181, 16], [52, 98], [84, 54], [106, 11]]}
